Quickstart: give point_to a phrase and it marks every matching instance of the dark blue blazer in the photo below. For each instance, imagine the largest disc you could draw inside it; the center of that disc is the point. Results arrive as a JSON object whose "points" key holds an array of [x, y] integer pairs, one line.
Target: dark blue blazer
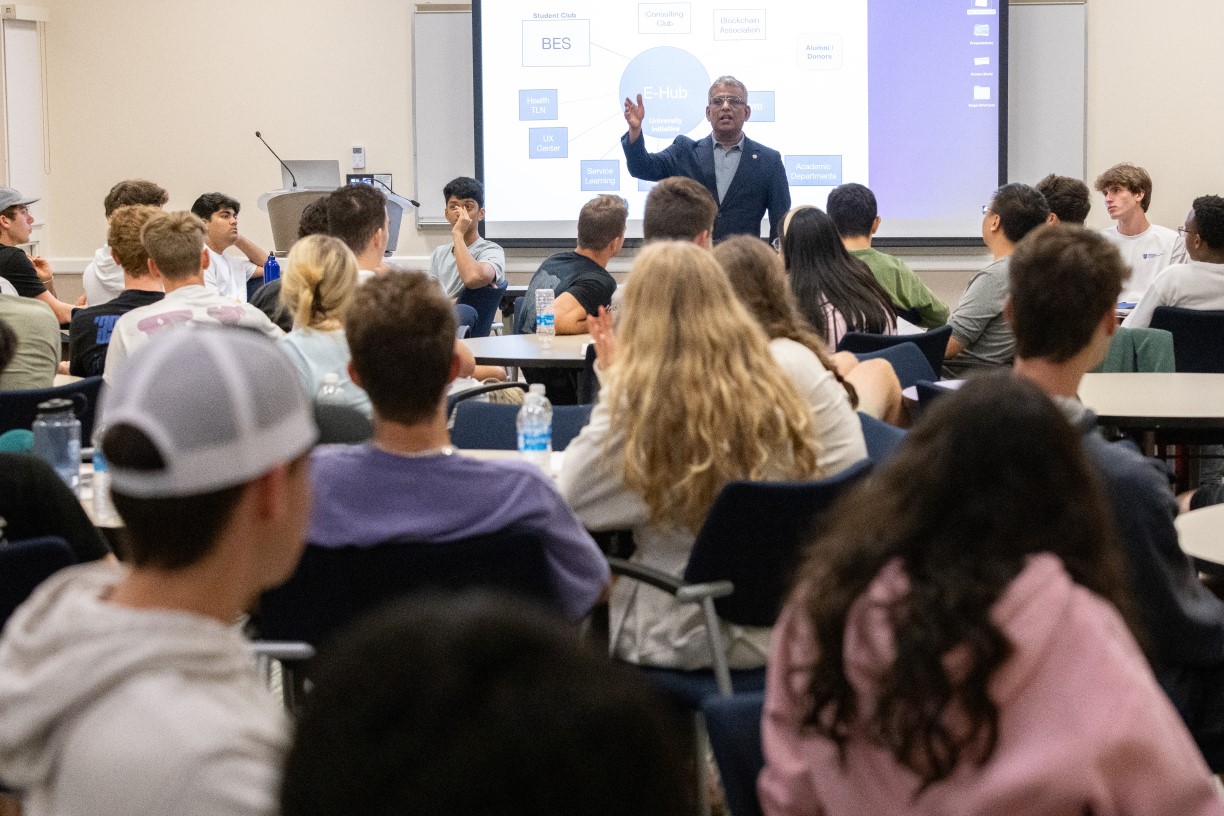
{"points": [[759, 183]]}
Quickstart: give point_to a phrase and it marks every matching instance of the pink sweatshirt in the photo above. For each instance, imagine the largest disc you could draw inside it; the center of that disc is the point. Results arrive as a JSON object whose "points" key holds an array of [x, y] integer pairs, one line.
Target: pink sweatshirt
{"points": [[1083, 726]]}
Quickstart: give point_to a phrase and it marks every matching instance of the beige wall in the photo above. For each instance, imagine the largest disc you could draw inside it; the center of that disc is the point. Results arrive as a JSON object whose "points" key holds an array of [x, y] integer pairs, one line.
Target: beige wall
{"points": [[175, 89], [1153, 99]]}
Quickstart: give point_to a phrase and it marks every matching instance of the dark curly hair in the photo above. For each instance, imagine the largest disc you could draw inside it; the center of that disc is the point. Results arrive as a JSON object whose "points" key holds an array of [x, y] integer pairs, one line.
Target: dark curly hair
{"points": [[1209, 220], [989, 476]]}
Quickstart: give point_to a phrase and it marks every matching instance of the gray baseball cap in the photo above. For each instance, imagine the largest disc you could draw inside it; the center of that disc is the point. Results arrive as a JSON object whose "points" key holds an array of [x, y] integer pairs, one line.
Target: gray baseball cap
{"points": [[10, 197]]}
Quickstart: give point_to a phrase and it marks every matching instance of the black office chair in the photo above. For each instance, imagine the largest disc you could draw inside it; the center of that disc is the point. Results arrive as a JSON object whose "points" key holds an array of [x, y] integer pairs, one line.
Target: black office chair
{"points": [[453, 400], [490, 426], [931, 343], [26, 564], [881, 438], [740, 570], [334, 586], [485, 301], [19, 408], [1197, 334], [907, 361], [342, 424], [588, 381], [734, 726]]}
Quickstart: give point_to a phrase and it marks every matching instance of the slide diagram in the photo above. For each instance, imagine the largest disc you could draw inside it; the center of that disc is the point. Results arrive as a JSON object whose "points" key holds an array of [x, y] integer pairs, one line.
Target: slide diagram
{"points": [[555, 75]]}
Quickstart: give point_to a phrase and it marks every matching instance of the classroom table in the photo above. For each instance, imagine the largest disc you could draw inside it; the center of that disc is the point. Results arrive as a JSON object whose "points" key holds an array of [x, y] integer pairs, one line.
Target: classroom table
{"points": [[525, 350], [1156, 402], [1201, 536]]}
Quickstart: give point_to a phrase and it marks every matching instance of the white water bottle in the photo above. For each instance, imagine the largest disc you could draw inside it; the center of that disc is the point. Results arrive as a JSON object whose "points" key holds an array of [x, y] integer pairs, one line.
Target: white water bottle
{"points": [[330, 392], [546, 326], [534, 426]]}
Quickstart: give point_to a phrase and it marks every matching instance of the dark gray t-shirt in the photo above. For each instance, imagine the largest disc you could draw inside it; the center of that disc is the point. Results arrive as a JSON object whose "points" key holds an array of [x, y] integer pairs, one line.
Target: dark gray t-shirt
{"points": [[586, 281]]}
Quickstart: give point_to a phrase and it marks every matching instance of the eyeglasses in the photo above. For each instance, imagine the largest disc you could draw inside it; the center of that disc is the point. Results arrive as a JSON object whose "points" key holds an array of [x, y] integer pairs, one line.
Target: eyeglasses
{"points": [[1184, 231], [733, 101], [985, 209]]}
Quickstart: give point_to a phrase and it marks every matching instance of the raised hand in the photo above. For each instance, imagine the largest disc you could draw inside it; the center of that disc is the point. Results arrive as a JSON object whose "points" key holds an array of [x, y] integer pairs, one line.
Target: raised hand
{"points": [[634, 114]]}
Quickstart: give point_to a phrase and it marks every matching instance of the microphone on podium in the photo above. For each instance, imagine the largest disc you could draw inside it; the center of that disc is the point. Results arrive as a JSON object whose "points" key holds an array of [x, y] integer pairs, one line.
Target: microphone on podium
{"points": [[278, 158], [411, 201]]}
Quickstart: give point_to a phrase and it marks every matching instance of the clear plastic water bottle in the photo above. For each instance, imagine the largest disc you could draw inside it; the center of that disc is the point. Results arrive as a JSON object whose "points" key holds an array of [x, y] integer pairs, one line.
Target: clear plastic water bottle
{"points": [[104, 512], [271, 269], [546, 326], [57, 440], [534, 425], [330, 393]]}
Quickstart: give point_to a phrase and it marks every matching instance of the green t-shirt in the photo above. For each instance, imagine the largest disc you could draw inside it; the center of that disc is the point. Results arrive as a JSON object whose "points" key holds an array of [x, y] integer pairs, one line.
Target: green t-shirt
{"points": [[904, 287]]}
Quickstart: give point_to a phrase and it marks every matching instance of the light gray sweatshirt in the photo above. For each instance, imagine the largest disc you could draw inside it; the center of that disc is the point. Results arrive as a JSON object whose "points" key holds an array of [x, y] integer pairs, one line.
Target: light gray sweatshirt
{"points": [[110, 710]]}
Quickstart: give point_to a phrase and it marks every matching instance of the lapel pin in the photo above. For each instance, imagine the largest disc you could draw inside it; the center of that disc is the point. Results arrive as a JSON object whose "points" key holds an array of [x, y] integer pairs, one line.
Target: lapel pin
{"points": [[754, 155]]}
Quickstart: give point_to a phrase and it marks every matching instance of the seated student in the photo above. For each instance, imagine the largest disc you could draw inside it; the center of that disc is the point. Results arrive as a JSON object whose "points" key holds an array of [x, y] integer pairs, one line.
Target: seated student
{"points": [[468, 260], [581, 283], [267, 297], [227, 276], [1147, 248], [580, 278], [90, 332], [35, 347], [128, 689], [837, 293], [853, 210], [1065, 284], [465, 705], [981, 339], [1198, 284], [759, 281], [35, 502], [678, 417], [408, 483], [958, 641], [103, 280], [1068, 198], [177, 254], [320, 278], [19, 273], [357, 215]]}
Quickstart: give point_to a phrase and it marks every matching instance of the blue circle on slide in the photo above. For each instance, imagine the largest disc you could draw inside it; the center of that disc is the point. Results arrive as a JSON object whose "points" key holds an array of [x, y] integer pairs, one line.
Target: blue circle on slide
{"points": [[673, 84]]}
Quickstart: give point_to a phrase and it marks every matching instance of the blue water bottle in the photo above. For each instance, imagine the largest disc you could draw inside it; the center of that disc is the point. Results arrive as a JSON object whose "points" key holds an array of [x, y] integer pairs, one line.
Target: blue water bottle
{"points": [[57, 440], [271, 269]]}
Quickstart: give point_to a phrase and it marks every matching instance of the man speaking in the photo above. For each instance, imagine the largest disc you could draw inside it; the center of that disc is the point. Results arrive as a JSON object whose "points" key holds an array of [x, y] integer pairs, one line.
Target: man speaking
{"points": [[745, 177]]}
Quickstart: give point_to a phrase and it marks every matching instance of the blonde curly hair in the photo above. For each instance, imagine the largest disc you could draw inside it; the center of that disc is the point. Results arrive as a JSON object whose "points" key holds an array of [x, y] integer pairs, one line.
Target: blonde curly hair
{"points": [[695, 398]]}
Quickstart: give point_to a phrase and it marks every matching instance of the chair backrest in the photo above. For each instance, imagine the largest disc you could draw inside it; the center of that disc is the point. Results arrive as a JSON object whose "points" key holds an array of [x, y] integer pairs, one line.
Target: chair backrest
{"points": [[928, 392], [18, 408], [734, 727], [26, 564], [907, 360], [485, 301], [491, 426], [1197, 334], [342, 424], [932, 343], [588, 382], [334, 586], [520, 317], [881, 437], [753, 536]]}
